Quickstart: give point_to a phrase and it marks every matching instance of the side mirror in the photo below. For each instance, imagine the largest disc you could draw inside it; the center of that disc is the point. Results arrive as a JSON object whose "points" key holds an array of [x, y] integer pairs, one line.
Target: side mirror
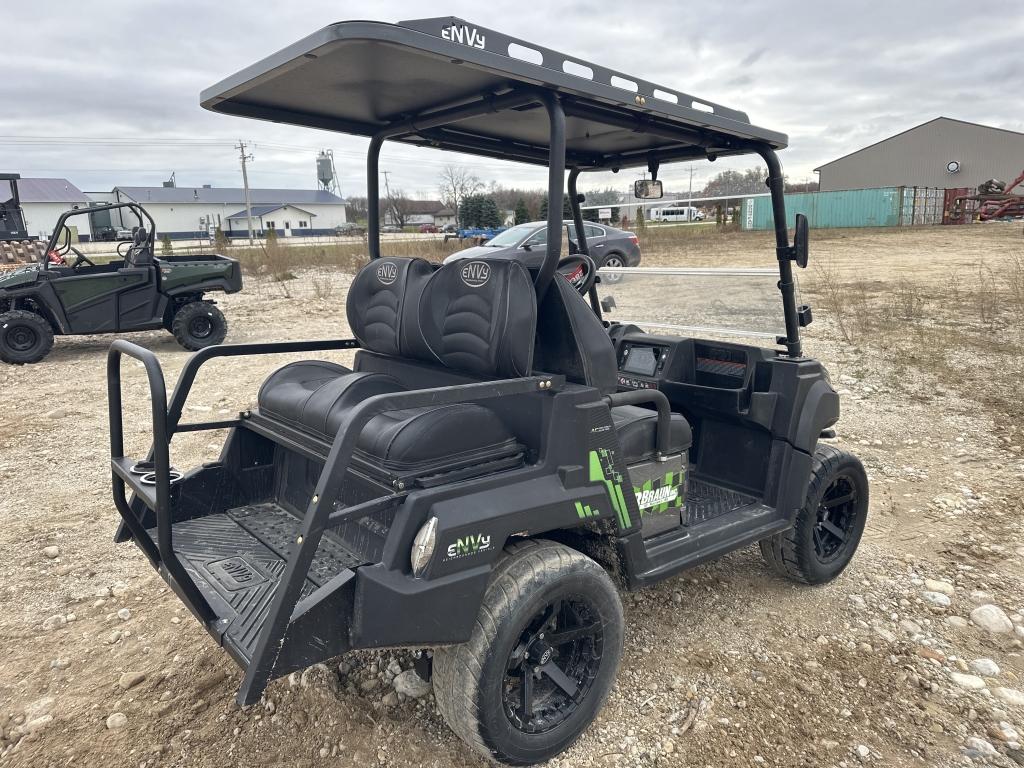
{"points": [[645, 189], [800, 234]]}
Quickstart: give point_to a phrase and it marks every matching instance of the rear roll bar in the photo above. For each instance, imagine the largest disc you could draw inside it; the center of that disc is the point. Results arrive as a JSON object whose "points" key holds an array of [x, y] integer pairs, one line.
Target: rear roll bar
{"points": [[166, 423], [163, 554]]}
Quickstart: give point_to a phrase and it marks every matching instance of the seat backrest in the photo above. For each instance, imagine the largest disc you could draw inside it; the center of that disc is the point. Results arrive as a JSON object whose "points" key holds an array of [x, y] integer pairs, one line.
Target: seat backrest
{"points": [[378, 299], [572, 341], [140, 254], [477, 316]]}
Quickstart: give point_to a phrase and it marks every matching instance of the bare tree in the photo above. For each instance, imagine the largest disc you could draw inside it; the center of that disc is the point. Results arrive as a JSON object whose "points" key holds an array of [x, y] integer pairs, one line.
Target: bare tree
{"points": [[456, 183], [399, 207]]}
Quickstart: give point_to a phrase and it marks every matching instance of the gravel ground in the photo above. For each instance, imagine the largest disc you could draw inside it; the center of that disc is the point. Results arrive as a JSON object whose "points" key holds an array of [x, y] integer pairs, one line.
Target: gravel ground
{"points": [[913, 657]]}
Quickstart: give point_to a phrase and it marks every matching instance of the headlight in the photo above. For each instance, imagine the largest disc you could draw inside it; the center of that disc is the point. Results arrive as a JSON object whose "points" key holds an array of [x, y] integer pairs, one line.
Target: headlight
{"points": [[423, 547]]}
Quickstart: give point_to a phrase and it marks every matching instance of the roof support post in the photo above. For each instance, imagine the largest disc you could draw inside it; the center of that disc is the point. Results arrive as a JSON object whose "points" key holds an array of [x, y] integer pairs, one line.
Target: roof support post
{"points": [[556, 183], [373, 196], [787, 285]]}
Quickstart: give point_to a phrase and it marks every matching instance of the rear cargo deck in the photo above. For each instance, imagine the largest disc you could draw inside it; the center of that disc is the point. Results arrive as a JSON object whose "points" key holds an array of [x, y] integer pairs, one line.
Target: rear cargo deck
{"points": [[237, 559]]}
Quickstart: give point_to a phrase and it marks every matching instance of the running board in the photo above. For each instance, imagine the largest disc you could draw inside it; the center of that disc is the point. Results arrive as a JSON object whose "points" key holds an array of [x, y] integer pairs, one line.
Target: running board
{"points": [[689, 546]]}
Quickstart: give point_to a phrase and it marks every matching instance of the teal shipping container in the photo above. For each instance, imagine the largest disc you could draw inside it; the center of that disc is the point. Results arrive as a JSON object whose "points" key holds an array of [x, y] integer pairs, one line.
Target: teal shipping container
{"points": [[882, 207]]}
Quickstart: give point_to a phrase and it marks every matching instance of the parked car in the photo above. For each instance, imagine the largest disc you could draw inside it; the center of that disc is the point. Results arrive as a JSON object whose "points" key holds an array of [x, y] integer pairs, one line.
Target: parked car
{"points": [[390, 229], [349, 229], [125, 233], [428, 228], [449, 228], [609, 247]]}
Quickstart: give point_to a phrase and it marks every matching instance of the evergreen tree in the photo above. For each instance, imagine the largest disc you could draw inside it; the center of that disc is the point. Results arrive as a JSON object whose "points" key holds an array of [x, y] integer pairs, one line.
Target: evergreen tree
{"points": [[489, 214], [479, 211], [522, 214], [641, 224]]}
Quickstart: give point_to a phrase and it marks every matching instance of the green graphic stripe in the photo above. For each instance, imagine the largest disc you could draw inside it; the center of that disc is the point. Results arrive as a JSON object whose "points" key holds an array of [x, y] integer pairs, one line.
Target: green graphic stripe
{"points": [[584, 511], [614, 489]]}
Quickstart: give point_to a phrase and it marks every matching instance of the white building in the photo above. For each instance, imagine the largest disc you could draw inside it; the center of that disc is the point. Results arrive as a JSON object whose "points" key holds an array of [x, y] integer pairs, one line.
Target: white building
{"points": [[44, 200], [193, 212]]}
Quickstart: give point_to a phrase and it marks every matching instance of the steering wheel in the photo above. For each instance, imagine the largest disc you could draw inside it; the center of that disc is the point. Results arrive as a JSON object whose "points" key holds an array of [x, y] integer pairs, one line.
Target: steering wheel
{"points": [[580, 270], [80, 258]]}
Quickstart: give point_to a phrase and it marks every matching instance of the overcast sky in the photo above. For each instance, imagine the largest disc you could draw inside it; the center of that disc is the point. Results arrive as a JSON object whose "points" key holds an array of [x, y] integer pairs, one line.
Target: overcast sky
{"points": [[107, 92]]}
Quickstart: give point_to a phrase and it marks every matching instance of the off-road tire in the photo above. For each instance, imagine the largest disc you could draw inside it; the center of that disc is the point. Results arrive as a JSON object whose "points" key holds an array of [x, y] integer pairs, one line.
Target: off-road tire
{"points": [[199, 324], [795, 553], [468, 679], [25, 337]]}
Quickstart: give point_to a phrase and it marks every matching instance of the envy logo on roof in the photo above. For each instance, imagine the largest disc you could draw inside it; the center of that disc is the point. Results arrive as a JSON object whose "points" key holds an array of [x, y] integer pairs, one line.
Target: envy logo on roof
{"points": [[465, 34]]}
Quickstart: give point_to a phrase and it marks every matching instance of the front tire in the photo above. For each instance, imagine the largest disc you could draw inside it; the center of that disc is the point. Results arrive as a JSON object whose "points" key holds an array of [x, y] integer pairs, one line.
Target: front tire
{"points": [[199, 324], [25, 337], [829, 526], [541, 660]]}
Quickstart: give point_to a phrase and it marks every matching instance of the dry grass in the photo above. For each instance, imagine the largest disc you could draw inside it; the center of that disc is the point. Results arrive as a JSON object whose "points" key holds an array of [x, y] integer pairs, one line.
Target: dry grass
{"points": [[964, 333]]}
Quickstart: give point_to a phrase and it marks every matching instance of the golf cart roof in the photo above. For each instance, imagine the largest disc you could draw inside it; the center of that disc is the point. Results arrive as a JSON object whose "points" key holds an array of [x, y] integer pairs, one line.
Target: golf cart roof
{"points": [[362, 77]]}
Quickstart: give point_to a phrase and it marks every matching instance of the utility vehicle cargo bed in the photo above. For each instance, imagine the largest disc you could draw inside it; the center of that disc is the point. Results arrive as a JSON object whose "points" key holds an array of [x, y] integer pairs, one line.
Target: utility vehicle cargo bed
{"points": [[237, 559]]}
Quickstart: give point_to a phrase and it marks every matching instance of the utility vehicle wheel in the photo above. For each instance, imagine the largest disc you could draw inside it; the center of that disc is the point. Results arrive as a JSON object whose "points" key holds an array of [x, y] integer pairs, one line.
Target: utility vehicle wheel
{"points": [[542, 657], [199, 324], [616, 261], [25, 337], [829, 526]]}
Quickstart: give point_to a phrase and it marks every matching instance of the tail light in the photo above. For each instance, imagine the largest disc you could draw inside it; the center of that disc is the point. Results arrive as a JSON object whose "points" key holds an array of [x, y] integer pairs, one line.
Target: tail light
{"points": [[634, 239]]}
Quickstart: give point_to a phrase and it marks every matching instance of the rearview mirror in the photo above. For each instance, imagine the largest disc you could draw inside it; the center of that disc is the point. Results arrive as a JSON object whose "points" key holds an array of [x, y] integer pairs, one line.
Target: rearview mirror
{"points": [[645, 189], [800, 241]]}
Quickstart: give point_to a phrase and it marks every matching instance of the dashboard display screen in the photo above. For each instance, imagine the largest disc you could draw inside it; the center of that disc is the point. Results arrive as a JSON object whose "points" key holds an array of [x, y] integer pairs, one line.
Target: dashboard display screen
{"points": [[641, 360]]}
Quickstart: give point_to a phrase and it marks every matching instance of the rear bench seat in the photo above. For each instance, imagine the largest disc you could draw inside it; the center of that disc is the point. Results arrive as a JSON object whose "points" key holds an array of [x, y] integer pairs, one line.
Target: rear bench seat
{"points": [[402, 307]]}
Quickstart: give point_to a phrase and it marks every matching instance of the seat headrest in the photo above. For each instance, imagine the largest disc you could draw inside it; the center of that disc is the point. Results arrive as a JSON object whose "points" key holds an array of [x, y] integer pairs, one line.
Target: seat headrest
{"points": [[377, 301], [140, 236], [478, 316]]}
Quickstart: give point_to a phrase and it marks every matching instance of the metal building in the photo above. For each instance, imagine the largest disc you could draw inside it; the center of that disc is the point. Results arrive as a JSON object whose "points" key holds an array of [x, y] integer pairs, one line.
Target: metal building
{"points": [[940, 153]]}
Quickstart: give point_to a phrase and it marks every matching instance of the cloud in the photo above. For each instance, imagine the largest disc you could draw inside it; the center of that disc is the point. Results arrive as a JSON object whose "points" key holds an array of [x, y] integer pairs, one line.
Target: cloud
{"points": [[127, 75]]}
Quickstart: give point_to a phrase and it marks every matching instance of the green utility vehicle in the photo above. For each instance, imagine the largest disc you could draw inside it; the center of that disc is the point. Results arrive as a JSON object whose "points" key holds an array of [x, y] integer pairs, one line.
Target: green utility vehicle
{"points": [[137, 292]]}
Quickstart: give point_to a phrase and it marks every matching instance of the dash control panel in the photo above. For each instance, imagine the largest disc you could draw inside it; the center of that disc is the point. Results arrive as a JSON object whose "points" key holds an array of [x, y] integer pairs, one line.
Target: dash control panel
{"points": [[640, 365]]}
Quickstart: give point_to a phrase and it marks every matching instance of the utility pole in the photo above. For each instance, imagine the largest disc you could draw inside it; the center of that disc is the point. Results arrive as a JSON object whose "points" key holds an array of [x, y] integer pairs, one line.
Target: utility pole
{"points": [[245, 183], [387, 193], [689, 198]]}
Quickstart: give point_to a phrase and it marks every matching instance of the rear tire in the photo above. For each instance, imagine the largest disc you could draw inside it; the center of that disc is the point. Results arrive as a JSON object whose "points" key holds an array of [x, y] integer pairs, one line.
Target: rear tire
{"points": [[829, 526], [199, 324], [507, 691], [25, 337]]}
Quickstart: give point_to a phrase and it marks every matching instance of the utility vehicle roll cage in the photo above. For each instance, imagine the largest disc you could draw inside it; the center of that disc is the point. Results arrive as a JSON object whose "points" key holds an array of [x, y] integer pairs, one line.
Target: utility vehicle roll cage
{"points": [[59, 232]]}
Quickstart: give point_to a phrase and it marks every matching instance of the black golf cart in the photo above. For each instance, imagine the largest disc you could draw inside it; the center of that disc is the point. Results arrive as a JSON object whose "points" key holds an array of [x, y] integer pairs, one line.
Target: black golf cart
{"points": [[66, 293], [499, 457]]}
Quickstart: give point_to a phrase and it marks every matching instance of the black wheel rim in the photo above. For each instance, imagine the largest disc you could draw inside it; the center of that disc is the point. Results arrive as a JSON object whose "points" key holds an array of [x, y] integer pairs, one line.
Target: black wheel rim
{"points": [[21, 338], [836, 519], [200, 327], [553, 666]]}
